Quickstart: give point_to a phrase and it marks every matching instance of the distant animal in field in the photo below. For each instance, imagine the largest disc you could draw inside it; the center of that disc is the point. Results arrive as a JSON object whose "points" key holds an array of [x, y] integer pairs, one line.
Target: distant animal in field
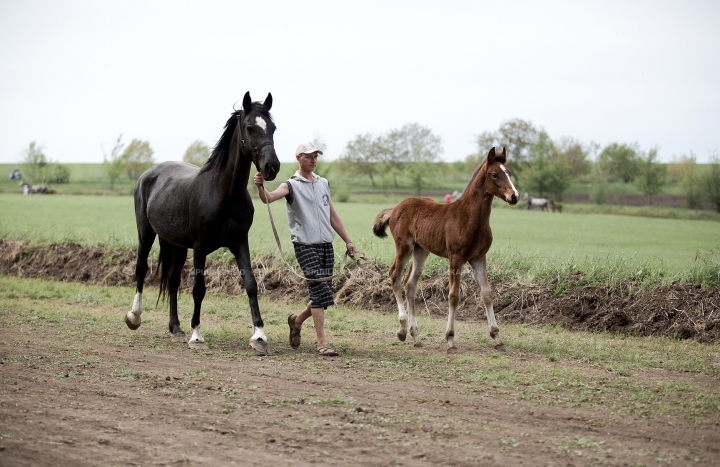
{"points": [[533, 203], [555, 206], [459, 231], [36, 190], [205, 209]]}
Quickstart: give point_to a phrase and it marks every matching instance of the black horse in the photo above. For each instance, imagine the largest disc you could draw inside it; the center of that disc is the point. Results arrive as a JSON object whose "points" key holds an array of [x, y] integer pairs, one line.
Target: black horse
{"points": [[205, 209]]}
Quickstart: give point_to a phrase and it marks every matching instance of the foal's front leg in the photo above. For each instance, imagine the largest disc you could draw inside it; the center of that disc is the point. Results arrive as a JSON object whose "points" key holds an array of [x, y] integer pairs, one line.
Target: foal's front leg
{"points": [[478, 266], [454, 299]]}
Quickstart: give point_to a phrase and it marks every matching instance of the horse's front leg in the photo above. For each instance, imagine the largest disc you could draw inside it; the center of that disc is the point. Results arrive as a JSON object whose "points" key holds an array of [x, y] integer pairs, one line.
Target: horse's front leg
{"points": [[478, 266], [258, 341], [197, 341], [454, 299]]}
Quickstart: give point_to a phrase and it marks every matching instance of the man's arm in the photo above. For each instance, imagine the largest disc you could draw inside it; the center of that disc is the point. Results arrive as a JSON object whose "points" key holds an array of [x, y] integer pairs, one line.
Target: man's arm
{"points": [[281, 192], [338, 227]]}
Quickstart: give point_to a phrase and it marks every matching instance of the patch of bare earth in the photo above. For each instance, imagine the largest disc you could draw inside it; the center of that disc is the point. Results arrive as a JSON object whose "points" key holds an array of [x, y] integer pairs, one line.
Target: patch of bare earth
{"points": [[682, 311], [95, 403]]}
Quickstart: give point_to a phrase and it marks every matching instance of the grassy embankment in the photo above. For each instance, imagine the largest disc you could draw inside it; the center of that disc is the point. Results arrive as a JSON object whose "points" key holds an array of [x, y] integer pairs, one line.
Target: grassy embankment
{"points": [[528, 247]]}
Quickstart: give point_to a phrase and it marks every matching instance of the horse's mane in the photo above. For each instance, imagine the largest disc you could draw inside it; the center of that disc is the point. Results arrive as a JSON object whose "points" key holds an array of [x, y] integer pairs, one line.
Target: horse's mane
{"points": [[471, 179], [221, 153]]}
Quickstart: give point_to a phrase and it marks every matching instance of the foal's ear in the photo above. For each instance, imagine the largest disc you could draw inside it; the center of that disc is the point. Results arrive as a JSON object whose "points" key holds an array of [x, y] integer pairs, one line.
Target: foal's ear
{"points": [[268, 101], [247, 102], [491, 156], [503, 156]]}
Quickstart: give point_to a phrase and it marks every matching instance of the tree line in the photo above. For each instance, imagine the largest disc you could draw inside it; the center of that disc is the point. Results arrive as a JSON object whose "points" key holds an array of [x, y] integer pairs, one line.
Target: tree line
{"points": [[542, 166]]}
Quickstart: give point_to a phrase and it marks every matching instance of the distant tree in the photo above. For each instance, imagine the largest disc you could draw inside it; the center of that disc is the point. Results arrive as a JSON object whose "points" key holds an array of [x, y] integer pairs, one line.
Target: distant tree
{"points": [[37, 168], [197, 153], [598, 180], [683, 169], [710, 181], [34, 163], [138, 158], [575, 155], [546, 171], [362, 157], [415, 147], [114, 163], [651, 175], [621, 161], [516, 135]]}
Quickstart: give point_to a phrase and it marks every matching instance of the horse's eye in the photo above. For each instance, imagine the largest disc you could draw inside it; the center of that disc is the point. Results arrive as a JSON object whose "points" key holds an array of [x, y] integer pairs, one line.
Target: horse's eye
{"points": [[494, 175]]}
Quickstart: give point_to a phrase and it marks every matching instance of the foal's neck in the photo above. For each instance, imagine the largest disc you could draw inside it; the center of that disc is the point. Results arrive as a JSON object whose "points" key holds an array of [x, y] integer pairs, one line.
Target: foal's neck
{"points": [[477, 200]]}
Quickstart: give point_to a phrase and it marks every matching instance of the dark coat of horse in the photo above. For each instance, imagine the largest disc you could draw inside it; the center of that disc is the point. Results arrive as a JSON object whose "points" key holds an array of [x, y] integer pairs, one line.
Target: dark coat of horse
{"points": [[205, 209], [459, 231]]}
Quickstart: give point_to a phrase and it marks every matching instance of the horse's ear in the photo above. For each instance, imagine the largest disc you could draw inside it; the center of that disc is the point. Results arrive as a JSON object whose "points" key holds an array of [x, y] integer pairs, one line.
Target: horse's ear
{"points": [[268, 101], [503, 156], [247, 102], [491, 156]]}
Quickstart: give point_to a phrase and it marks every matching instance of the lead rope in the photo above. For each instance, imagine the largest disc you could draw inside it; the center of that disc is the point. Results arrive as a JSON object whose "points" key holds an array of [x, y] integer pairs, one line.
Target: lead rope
{"points": [[361, 257]]}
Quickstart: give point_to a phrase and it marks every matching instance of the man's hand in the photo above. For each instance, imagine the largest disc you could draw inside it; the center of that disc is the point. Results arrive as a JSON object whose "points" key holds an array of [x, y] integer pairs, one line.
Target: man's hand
{"points": [[350, 249], [258, 180]]}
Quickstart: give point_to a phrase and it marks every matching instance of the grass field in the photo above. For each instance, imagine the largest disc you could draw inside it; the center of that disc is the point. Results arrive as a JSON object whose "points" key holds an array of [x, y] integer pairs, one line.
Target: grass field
{"points": [[528, 245]]}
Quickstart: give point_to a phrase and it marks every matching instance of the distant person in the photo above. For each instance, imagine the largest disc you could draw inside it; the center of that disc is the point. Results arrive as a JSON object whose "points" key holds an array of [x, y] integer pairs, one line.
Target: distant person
{"points": [[312, 220], [448, 198], [15, 175]]}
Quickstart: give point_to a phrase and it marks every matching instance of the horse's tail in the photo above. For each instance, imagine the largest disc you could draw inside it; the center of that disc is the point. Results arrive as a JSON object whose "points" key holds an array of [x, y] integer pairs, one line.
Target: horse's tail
{"points": [[165, 267], [381, 222]]}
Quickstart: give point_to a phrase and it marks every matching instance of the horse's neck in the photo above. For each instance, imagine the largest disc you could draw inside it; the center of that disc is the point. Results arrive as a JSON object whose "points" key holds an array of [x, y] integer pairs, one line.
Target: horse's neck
{"points": [[237, 172], [477, 201]]}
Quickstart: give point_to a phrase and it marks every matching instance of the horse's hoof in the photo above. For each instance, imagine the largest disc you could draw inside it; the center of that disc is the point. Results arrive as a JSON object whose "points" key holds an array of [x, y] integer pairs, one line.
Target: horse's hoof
{"points": [[198, 345], [418, 344], [130, 324], [178, 337], [260, 347], [500, 347], [402, 336], [452, 349]]}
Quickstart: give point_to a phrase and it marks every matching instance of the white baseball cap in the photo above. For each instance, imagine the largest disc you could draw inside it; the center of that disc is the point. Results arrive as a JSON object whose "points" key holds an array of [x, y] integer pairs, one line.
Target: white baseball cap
{"points": [[307, 148]]}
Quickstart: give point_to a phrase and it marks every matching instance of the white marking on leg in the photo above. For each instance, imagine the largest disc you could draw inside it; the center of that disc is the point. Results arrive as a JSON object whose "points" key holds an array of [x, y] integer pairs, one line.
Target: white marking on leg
{"points": [[196, 336], [259, 335], [259, 121], [486, 293], [133, 316]]}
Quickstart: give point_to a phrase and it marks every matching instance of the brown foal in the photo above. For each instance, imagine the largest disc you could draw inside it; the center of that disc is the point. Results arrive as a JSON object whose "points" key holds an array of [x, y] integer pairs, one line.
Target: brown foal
{"points": [[459, 231]]}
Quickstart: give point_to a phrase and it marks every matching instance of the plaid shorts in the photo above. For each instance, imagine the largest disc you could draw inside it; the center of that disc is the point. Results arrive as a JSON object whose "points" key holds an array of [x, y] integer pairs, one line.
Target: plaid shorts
{"points": [[317, 261]]}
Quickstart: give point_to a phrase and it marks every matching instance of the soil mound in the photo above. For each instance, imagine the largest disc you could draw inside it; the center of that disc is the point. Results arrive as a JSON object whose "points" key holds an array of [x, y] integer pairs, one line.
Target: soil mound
{"points": [[683, 311]]}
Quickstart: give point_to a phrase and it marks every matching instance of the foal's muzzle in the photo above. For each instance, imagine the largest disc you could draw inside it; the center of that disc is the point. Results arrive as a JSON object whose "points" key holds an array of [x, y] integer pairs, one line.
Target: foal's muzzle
{"points": [[513, 199]]}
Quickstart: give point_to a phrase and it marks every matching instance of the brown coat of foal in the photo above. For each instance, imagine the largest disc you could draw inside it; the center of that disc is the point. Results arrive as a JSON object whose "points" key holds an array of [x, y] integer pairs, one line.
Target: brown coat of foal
{"points": [[459, 231]]}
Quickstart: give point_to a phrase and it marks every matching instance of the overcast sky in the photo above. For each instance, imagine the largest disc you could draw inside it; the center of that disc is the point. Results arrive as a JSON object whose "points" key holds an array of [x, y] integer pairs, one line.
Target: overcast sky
{"points": [[76, 74]]}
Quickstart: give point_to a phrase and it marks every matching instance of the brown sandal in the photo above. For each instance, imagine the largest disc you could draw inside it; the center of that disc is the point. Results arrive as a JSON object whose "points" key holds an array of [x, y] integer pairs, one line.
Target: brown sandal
{"points": [[327, 351], [294, 332]]}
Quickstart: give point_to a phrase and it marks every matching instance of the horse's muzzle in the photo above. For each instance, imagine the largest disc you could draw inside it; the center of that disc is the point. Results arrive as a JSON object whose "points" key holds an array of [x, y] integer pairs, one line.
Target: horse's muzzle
{"points": [[270, 170], [513, 200]]}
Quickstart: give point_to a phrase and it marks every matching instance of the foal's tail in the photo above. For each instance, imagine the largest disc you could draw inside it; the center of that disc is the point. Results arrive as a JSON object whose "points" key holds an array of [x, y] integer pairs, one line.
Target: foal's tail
{"points": [[381, 222]]}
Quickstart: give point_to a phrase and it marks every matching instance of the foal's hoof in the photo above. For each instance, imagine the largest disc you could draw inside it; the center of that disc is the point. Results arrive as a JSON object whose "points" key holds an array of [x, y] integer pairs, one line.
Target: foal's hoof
{"points": [[500, 347], [452, 349], [179, 337], [196, 345], [401, 335], [130, 324], [260, 347]]}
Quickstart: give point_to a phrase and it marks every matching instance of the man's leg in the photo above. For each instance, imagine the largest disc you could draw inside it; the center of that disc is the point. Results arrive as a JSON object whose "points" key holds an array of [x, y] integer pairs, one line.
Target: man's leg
{"points": [[318, 315]]}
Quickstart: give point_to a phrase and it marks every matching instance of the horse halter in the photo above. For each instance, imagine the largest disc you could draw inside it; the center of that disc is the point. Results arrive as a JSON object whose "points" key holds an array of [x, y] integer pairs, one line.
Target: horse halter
{"points": [[256, 151]]}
